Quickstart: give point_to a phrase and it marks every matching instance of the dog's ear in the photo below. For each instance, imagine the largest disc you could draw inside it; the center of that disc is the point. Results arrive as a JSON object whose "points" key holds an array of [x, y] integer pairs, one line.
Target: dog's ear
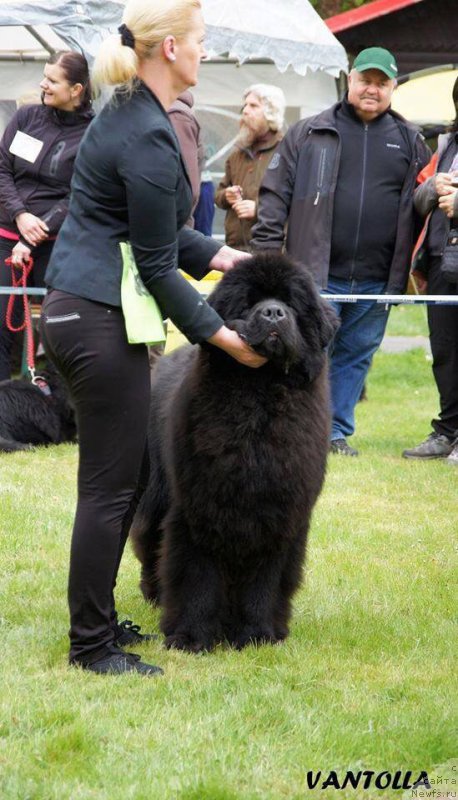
{"points": [[328, 322], [319, 326]]}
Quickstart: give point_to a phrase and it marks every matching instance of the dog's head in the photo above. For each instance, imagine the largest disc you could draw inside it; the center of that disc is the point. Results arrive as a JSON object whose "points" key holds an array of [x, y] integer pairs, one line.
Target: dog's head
{"points": [[274, 306]]}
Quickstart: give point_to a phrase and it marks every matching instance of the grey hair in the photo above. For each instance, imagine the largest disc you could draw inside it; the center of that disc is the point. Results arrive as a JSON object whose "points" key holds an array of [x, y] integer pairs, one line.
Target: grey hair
{"points": [[273, 101]]}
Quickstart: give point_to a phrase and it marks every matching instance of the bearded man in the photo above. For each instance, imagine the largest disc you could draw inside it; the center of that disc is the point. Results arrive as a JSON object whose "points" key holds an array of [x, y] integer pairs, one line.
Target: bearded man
{"points": [[261, 126]]}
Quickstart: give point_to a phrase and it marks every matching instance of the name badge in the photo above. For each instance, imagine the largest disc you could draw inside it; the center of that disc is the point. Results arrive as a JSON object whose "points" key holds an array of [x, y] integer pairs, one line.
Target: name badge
{"points": [[26, 147]]}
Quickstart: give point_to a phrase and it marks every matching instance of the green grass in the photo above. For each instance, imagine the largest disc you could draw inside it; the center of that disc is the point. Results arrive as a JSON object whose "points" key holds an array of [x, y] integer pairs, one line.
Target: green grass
{"points": [[365, 680], [407, 320]]}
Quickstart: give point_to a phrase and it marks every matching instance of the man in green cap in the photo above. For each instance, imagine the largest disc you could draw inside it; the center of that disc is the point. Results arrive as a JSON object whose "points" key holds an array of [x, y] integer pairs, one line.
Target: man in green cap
{"points": [[337, 196]]}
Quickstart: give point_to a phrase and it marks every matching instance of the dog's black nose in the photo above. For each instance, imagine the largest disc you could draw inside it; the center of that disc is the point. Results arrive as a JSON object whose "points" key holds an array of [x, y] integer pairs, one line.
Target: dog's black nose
{"points": [[273, 312]]}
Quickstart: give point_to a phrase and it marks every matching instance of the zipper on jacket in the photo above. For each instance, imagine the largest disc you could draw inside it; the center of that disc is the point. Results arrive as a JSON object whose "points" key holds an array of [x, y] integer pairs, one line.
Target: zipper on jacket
{"points": [[321, 166], [55, 158], [38, 165], [361, 198]]}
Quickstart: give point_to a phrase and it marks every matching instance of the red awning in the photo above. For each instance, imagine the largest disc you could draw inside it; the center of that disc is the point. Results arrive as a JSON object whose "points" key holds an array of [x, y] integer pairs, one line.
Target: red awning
{"points": [[358, 16]]}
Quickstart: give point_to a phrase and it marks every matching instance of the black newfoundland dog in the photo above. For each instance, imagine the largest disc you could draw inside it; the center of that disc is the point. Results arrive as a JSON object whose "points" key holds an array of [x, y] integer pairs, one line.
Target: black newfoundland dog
{"points": [[32, 416], [238, 459]]}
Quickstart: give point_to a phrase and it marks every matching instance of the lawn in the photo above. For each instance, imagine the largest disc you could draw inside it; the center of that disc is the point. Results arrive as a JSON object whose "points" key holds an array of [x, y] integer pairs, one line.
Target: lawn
{"points": [[407, 320], [365, 681]]}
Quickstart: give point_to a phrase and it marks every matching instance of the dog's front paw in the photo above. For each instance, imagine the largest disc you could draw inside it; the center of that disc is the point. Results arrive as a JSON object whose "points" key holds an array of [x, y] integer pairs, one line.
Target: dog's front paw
{"points": [[281, 632], [254, 635], [182, 641]]}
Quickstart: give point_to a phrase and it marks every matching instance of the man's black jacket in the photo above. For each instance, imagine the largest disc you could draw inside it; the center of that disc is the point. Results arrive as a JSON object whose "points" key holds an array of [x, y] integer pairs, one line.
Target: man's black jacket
{"points": [[296, 200]]}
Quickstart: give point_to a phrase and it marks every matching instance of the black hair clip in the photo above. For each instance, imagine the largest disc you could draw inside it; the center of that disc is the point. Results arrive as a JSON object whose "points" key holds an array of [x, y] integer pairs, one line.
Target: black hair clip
{"points": [[127, 37]]}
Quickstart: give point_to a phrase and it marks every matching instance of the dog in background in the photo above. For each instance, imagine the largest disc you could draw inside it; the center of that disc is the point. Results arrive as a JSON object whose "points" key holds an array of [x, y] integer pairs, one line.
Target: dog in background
{"points": [[32, 416]]}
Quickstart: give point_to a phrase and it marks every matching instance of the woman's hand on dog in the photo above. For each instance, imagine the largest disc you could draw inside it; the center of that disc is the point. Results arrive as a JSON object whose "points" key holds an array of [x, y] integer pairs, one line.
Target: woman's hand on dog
{"points": [[233, 345], [226, 258]]}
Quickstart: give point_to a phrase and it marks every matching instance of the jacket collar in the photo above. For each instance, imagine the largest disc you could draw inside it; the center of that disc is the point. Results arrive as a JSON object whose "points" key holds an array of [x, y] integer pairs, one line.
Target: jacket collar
{"points": [[267, 142], [70, 118], [327, 119]]}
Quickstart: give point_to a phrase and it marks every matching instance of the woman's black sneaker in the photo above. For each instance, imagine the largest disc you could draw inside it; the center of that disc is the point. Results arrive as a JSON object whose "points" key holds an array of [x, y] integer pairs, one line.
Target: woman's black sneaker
{"points": [[116, 662], [126, 634]]}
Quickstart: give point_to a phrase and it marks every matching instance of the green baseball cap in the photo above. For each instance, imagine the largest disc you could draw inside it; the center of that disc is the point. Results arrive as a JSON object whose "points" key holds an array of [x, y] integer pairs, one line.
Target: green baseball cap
{"points": [[376, 58]]}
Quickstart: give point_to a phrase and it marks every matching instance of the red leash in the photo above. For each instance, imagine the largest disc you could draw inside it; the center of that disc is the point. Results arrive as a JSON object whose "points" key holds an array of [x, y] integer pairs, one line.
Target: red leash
{"points": [[21, 281]]}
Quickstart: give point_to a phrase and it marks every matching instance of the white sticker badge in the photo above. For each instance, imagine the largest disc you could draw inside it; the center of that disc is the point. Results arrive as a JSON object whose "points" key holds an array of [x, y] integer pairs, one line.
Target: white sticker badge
{"points": [[26, 147]]}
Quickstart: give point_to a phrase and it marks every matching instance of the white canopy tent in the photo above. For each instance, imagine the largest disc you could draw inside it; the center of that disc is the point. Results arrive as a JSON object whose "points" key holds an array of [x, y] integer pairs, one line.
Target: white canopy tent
{"points": [[283, 43], [290, 33]]}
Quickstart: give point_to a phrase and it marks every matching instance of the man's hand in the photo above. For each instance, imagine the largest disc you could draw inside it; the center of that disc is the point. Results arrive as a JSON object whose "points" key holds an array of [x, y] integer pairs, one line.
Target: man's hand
{"points": [[32, 228], [447, 203], [443, 183], [19, 254], [233, 194], [245, 209], [226, 258]]}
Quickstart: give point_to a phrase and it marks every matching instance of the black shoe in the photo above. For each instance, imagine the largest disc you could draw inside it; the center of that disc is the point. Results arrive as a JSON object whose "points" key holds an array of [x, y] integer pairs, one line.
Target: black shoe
{"points": [[116, 662], [436, 445], [126, 634], [341, 447], [453, 457]]}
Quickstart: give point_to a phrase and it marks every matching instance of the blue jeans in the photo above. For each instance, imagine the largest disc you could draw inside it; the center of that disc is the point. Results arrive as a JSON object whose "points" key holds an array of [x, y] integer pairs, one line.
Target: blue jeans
{"points": [[362, 325]]}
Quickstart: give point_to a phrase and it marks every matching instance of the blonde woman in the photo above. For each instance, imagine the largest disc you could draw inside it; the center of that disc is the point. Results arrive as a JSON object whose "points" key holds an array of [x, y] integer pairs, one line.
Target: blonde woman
{"points": [[129, 184]]}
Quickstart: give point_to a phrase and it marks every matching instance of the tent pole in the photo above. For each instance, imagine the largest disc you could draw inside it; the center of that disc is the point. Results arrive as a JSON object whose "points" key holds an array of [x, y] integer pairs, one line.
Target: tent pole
{"points": [[40, 39]]}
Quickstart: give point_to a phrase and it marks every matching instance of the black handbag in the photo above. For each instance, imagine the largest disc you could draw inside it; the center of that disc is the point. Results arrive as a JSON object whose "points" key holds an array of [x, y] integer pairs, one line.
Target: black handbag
{"points": [[449, 263]]}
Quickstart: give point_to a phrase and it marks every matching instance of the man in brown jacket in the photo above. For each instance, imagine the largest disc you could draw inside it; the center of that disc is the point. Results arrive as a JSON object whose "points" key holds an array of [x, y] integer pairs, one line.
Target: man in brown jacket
{"points": [[261, 126]]}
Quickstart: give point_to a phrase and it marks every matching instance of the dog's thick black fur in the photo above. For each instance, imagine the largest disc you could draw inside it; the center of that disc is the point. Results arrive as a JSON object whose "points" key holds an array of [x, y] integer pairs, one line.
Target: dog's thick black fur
{"points": [[29, 417], [238, 459]]}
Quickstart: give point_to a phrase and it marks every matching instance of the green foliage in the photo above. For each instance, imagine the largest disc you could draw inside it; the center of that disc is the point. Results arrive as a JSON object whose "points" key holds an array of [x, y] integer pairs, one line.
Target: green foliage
{"points": [[327, 8], [365, 680]]}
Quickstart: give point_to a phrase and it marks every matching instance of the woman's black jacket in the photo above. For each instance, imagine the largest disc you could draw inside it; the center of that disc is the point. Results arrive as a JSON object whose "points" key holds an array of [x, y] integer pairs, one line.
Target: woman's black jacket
{"points": [[42, 187], [130, 184]]}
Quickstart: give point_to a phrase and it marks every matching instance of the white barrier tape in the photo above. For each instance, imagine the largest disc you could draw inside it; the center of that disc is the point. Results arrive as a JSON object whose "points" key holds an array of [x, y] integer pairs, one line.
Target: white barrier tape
{"points": [[20, 290], [396, 299], [387, 299]]}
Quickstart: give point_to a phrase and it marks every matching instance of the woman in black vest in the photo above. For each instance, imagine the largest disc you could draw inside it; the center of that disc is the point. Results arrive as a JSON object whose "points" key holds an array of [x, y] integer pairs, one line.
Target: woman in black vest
{"points": [[130, 183]]}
